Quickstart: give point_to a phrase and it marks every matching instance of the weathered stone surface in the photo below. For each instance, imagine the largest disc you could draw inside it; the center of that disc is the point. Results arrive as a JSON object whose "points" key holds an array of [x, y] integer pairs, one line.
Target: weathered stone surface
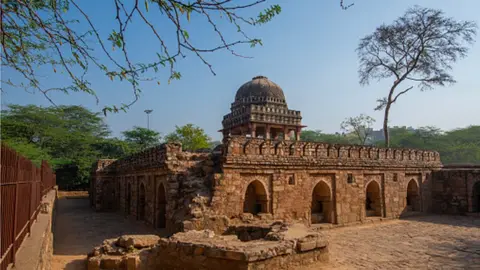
{"points": [[254, 181], [306, 246], [137, 241]]}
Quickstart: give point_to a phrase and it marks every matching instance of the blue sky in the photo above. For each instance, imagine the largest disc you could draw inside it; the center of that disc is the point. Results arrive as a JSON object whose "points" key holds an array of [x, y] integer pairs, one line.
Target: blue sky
{"points": [[309, 50]]}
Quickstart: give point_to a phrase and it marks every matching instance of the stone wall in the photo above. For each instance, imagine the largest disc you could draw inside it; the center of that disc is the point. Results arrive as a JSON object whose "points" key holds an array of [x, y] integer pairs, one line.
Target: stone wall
{"points": [[453, 190], [287, 180], [161, 186]]}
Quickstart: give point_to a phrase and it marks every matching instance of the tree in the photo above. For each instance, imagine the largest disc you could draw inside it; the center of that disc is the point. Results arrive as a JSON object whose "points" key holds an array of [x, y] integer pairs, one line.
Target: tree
{"points": [[360, 125], [59, 35], [64, 136], [417, 49], [191, 137], [141, 138], [319, 136]]}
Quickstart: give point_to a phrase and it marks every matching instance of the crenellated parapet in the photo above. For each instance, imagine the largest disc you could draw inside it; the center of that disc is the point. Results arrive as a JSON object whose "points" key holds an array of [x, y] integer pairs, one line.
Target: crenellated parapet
{"points": [[240, 149], [157, 157]]}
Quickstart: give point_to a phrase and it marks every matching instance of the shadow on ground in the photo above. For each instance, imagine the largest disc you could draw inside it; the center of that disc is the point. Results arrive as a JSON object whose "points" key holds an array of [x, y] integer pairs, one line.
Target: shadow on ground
{"points": [[460, 221], [78, 228]]}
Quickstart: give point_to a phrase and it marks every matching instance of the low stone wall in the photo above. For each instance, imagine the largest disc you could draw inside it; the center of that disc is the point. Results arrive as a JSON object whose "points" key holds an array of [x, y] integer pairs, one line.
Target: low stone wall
{"points": [[274, 255], [283, 247], [46, 253], [36, 251]]}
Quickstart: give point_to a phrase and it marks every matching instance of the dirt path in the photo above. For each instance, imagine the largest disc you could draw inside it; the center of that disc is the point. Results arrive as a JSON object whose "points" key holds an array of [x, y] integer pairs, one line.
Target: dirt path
{"points": [[428, 242], [78, 229]]}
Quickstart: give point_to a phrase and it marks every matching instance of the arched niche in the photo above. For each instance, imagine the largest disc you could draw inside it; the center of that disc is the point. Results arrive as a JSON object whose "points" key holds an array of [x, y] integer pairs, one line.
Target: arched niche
{"points": [[256, 198], [373, 204], [322, 206]]}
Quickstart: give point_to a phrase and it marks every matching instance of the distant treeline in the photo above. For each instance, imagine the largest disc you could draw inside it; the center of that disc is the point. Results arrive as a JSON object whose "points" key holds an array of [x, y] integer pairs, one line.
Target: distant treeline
{"points": [[455, 146]]}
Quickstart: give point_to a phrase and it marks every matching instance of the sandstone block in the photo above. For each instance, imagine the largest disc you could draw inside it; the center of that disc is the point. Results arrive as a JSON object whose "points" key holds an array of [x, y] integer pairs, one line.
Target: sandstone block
{"points": [[132, 263], [110, 262], [306, 246], [93, 264], [138, 241]]}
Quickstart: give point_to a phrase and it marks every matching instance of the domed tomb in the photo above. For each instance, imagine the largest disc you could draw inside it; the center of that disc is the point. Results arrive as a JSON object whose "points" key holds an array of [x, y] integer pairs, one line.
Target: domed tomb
{"points": [[260, 110]]}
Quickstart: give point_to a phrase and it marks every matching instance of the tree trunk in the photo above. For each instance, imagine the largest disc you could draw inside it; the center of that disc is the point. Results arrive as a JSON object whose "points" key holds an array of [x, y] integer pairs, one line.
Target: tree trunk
{"points": [[385, 125]]}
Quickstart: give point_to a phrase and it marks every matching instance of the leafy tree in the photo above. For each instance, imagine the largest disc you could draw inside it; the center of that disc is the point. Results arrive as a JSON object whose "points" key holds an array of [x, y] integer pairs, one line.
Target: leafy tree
{"points": [[64, 136], [59, 35], [114, 147], [141, 138], [417, 49], [191, 137], [455, 146], [360, 126], [28, 150], [318, 136]]}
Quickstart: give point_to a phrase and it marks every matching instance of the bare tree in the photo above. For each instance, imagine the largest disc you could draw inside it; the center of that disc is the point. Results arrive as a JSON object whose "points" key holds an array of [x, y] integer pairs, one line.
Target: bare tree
{"points": [[360, 125], [418, 49]]}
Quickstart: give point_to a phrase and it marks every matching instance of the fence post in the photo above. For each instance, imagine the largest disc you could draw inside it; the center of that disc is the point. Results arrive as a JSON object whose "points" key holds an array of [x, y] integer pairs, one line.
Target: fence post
{"points": [[15, 207]]}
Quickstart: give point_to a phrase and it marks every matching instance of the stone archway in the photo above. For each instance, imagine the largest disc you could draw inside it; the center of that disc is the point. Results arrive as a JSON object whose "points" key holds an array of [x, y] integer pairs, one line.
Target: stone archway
{"points": [[413, 196], [128, 198], [476, 197], [161, 207], [141, 202], [373, 204], [256, 199], [108, 196], [322, 204]]}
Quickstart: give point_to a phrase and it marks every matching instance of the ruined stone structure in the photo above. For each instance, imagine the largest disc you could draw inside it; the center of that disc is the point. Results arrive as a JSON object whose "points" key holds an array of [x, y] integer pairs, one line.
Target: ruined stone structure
{"points": [[456, 190], [258, 176]]}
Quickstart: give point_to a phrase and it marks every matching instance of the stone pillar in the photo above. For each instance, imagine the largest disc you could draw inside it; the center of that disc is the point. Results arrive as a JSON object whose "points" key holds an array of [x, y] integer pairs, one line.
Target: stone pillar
{"points": [[267, 132], [286, 133], [253, 130], [298, 132]]}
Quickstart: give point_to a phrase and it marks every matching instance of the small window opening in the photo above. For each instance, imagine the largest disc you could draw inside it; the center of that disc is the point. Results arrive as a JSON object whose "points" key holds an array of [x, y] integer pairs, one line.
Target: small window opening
{"points": [[350, 178], [291, 180]]}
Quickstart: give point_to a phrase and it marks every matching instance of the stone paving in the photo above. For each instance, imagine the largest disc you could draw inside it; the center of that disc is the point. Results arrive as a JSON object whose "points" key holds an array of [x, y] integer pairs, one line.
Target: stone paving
{"points": [[78, 229], [426, 242]]}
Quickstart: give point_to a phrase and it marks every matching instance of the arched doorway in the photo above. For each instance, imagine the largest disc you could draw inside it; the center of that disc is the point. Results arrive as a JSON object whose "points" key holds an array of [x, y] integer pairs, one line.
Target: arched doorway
{"points": [[413, 196], [162, 207], [128, 198], [256, 199], [141, 202], [108, 196], [373, 205], [321, 204], [476, 198]]}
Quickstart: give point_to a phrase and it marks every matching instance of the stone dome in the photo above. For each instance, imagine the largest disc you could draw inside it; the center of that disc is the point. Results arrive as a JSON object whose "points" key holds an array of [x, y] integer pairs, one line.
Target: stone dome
{"points": [[260, 86]]}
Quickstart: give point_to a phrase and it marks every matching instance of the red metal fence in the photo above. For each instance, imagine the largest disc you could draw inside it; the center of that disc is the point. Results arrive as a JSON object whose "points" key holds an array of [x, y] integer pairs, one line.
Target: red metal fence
{"points": [[22, 186]]}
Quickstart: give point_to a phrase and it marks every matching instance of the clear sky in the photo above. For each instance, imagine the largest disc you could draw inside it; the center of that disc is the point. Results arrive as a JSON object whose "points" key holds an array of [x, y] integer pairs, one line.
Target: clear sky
{"points": [[309, 50]]}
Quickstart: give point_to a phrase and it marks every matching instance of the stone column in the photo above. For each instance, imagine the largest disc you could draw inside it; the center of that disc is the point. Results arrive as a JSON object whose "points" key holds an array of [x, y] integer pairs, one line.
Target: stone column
{"points": [[253, 130], [286, 133], [298, 132], [267, 132]]}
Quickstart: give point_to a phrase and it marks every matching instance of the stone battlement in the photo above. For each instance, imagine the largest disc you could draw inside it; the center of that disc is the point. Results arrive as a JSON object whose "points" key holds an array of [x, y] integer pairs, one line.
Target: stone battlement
{"points": [[152, 158], [240, 149]]}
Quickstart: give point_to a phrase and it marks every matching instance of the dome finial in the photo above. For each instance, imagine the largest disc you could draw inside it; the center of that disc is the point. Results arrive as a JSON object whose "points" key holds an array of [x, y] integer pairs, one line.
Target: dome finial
{"points": [[259, 77]]}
